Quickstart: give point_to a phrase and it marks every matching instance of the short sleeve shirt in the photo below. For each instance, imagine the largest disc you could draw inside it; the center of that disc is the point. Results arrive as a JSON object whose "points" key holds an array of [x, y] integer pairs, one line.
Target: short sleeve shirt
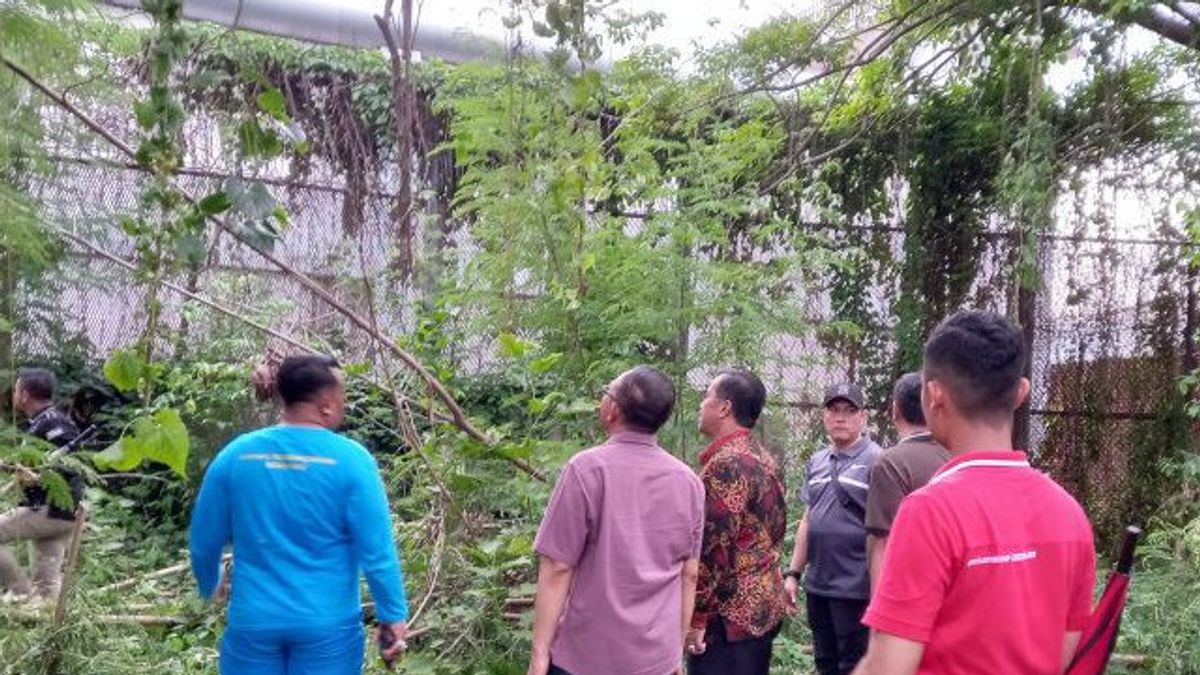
{"points": [[626, 516], [835, 490], [897, 473], [989, 565]]}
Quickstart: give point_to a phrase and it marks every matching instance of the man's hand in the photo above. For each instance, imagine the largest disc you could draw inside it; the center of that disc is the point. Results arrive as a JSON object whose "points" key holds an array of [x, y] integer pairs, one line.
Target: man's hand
{"points": [[791, 589], [390, 637], [694, 643], [539, 662]]}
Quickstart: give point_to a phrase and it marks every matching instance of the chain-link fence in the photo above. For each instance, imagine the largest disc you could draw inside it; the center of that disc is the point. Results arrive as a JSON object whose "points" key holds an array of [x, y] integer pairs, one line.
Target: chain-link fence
{"points": [[1111, 335]]}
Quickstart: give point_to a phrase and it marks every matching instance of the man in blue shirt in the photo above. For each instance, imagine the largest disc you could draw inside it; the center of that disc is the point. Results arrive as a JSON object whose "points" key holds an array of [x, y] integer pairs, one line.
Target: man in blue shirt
{"points": [[305, 511]]}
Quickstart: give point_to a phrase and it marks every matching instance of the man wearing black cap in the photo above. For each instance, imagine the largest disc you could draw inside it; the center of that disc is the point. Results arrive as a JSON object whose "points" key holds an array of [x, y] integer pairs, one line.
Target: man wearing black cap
{"points": [[831, 537]]}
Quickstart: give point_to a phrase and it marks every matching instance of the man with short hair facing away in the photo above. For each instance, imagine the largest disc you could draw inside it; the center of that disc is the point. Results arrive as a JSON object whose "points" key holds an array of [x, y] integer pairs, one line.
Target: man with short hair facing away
{"points": [[619, 545], [47, 525], [831, 536], [305, 511], [990, 566], [740, 601], [900, 469]]}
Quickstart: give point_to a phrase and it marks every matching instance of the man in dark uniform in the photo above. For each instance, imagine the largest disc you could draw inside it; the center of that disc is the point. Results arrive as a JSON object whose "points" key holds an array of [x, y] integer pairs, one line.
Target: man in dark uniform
{"points": [[47, 526], [830, 550]]}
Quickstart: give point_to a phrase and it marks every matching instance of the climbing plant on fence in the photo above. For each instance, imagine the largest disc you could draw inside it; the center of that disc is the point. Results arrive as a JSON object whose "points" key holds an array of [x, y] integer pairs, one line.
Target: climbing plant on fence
{"points": [[798, 200]]}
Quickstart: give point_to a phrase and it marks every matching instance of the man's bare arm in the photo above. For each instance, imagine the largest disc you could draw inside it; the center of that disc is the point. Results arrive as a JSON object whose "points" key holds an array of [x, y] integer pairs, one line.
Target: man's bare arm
{"points": [[876, 547], [890, 654], [800, 548], [691, 574], [799, 559], [553, 586], [1070, 644]]}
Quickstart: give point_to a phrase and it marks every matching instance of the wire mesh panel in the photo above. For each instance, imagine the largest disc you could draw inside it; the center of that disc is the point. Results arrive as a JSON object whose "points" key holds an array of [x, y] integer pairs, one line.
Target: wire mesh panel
{"points": [[1108, 337]]}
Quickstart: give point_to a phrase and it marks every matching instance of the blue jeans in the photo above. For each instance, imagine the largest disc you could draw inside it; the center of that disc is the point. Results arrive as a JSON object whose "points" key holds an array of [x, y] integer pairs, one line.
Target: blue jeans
{"points": [[334, 650]]}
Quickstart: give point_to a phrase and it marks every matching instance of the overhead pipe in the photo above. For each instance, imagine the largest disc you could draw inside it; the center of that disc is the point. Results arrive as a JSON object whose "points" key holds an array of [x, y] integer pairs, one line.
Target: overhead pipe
{"points": [[334, 23]]}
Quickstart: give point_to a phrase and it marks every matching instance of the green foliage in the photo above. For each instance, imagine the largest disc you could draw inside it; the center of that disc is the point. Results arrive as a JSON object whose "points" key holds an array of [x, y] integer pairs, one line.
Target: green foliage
{"points": [[160, 437], [627, 216], [58, 491], [125, 369], [548, 189], [34, 461]]}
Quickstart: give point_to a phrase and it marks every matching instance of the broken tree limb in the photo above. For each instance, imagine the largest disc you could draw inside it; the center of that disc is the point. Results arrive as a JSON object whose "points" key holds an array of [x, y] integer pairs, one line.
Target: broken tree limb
{"points": [[215, 306], [64, 591], [433, 383], [157, 574], [1132, 661], [29, 617]]}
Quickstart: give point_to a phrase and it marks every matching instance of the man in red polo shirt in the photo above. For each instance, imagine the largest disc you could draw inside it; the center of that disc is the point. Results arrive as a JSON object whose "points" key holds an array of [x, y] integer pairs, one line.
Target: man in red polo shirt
{"points": [[991, 565]]}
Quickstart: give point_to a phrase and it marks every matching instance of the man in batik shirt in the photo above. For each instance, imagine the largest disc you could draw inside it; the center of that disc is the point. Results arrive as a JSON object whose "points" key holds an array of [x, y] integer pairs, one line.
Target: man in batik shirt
{"points": [[740, 600]]}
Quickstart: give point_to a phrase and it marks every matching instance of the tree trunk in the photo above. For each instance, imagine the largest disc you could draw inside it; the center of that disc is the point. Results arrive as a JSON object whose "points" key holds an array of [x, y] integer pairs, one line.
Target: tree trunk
{"points": [[8, 287]]}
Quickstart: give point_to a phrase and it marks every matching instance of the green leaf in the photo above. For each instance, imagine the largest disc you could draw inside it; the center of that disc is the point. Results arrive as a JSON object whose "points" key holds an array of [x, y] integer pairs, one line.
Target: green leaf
{"points": [[120, 456], [253, 201], [280, 214], [257, 142], [124, 369], [512, 346], [58, 491], [191, 247], [160, 438], [164, 439], [516, 450], [272, 102], [144, 111], [217, 202], [130, 226], [545, 363]]}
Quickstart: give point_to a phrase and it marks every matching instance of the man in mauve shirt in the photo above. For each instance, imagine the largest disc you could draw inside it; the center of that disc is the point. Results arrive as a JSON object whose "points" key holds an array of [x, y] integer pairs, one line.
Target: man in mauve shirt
{"points": [[989, 567], [619, 545]]}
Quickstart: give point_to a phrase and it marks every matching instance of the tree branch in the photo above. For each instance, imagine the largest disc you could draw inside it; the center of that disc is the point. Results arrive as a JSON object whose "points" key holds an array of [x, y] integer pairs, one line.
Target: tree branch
{"points": [[1162, 21], [1157, 18]]}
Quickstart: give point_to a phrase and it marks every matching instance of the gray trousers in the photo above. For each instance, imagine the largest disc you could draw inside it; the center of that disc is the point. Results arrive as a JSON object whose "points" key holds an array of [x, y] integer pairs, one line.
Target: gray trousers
{"points": [[49, 536]]}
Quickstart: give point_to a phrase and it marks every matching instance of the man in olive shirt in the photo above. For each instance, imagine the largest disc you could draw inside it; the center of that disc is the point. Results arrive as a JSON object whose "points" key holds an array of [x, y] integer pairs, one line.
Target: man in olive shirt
{"points": [[900, 470]]}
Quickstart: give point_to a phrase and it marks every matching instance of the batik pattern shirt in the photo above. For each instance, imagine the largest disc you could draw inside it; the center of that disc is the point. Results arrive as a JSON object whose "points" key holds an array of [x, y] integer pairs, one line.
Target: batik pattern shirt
{"points": [[745, 522]]}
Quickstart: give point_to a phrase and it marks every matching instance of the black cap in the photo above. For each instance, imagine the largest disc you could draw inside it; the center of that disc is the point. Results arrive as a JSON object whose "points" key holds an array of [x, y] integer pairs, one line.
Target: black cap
{"points": [[846, 391]]}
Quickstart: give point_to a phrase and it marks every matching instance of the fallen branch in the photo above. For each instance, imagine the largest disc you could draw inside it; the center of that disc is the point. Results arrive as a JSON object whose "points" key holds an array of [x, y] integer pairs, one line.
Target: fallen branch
{"points": [[435, 565], [22, 472], [31, 617], [216, 306], [1131, 661], [158, 574], [64, 591]]}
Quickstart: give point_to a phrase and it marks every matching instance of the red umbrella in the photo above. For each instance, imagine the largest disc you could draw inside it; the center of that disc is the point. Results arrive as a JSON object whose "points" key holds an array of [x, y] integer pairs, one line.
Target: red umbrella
{"points": [[1100, 635]]}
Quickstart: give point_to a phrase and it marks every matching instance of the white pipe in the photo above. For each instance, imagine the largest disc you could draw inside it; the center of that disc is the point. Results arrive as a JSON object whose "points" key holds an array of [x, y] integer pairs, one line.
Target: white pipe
{"points": [[334, 23]]}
